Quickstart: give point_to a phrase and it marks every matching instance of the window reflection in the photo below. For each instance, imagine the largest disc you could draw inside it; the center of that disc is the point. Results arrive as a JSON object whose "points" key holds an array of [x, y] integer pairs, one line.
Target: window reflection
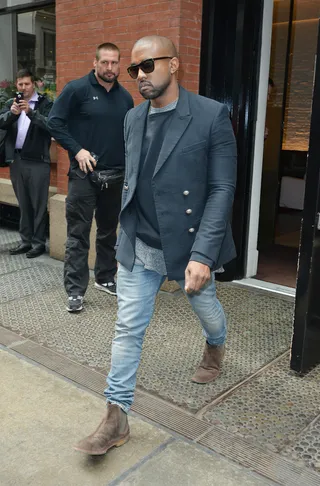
{"points": [[36, 47]]}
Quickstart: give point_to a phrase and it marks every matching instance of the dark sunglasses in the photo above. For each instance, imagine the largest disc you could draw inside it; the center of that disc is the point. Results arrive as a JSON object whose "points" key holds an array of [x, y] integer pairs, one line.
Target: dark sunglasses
{"points": [[146, 66]]}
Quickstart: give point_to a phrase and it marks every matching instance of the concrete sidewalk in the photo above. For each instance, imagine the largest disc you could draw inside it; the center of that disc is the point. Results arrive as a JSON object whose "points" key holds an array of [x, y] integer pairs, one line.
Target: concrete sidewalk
{"points": [[42, 416]]}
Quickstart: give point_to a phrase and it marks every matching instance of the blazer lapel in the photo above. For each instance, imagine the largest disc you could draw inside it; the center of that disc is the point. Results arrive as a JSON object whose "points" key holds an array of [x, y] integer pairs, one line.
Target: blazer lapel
{"points": [[179, 123], [137, 134], [134, 150]]}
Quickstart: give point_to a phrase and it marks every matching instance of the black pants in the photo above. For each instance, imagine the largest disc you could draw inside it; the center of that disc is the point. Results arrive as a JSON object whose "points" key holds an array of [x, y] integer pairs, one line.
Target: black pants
{"points": [[84, 198], [30, 180]]}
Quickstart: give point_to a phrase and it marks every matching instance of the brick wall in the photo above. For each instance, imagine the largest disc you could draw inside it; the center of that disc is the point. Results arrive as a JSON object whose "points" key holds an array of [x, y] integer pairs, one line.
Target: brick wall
{"points": [[4, 174], [53, 175], [84, 24]]}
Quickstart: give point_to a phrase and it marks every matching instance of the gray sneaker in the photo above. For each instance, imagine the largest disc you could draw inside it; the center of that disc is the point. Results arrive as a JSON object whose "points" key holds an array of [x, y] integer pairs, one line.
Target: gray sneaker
{"points": [[109, 287], [75, 303]]}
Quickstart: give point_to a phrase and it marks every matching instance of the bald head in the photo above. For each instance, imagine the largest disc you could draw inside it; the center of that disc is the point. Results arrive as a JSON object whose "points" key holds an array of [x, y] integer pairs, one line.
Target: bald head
{"points": [[155, 63], [158, 44]]}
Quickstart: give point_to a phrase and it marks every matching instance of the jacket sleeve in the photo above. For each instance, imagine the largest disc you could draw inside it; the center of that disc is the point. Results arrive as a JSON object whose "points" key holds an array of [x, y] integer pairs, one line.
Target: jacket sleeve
{"points": [[7, 118], [40, 119], [222, 173], [198, 257], [62, 108]]}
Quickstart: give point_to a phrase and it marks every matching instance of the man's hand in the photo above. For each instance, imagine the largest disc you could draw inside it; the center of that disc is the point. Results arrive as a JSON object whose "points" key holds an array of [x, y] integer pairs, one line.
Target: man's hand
{"points": [[196, 276], [85, 160], [15, 108], [24, 106]]}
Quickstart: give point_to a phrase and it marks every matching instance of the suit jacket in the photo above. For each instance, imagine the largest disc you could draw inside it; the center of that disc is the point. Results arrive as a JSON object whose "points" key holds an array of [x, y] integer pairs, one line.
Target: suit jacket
{"points": [[193, 184], [38, 139]]}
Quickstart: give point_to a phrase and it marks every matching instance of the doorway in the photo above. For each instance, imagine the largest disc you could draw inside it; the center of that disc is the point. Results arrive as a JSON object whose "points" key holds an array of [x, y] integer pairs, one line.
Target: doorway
{"points": [[291, 79]]}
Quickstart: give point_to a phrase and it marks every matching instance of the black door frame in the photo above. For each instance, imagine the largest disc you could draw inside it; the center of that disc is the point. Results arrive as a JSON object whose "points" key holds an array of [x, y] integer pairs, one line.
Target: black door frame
{"points": [[306, 336], [229, 73]]}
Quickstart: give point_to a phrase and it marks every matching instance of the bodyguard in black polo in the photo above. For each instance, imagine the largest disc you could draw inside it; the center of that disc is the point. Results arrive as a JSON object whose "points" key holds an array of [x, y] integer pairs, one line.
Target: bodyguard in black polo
{"points": [[87, 120]]}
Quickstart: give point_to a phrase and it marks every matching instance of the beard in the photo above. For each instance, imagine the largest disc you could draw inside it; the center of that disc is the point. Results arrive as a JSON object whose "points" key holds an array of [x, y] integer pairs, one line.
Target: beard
{"points": [[108, 80], [152, 92]]}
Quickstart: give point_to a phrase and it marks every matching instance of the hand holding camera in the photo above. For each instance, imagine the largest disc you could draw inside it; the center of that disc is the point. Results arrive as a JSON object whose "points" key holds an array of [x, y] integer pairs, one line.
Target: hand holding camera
{"points": [[23, 104], [15, 108], [20, 104]]}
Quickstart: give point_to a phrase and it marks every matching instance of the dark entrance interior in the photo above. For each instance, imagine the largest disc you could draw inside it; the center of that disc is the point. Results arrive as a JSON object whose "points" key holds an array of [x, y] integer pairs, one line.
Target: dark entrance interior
{"points": [[294, 44], [229, 73]]}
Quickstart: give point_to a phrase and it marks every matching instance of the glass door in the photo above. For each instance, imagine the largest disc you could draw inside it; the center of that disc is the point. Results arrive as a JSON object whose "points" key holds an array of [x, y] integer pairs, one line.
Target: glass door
{"points": [[306, 337]]}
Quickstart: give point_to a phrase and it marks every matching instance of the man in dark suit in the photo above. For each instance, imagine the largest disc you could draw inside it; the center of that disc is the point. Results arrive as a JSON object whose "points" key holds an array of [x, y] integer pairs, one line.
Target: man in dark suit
{"points": [[176, 205], [27, 152]]}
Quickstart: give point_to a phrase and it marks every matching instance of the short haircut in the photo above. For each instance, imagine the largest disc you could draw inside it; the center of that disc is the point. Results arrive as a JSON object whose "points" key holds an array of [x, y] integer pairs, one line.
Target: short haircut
{"points": [[25, 73], [271, 83], [108, 46]]}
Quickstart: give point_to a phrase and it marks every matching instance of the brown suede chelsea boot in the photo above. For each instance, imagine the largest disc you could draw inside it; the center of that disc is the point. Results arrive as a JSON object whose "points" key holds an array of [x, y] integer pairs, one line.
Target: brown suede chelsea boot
{"points": [[113, 431], [209, 367]]}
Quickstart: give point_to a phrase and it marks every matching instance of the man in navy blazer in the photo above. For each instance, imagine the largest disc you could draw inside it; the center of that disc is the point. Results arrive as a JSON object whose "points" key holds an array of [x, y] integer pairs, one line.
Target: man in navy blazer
{"points": [[175, 222]]}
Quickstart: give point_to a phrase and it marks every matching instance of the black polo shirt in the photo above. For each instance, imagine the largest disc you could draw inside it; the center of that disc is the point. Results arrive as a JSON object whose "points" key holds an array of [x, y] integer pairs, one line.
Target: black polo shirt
{"points": [[86, 115]]}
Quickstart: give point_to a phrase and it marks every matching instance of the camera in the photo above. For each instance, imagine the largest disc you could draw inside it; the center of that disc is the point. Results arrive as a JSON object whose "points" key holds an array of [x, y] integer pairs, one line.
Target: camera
{"points": [[96, 158], [19, 97]]}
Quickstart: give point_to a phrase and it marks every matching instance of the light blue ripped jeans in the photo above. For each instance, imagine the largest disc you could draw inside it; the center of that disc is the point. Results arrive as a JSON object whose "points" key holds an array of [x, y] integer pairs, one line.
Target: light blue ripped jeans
{"points": [[136, 292]]}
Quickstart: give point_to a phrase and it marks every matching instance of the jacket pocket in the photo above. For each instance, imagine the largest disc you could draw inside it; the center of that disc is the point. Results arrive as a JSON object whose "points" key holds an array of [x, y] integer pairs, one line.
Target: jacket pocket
{"points": [[194, 147]]}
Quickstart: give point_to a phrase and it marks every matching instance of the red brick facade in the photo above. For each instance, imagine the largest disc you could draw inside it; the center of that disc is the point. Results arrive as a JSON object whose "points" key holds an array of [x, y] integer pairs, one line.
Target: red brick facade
{"points": [[81, 25], [4, 173], [84, 24]]}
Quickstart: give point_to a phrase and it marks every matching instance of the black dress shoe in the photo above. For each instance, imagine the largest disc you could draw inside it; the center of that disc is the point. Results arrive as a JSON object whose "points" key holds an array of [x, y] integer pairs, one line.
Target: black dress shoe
{"points": [[22, 248], [36, 251]]}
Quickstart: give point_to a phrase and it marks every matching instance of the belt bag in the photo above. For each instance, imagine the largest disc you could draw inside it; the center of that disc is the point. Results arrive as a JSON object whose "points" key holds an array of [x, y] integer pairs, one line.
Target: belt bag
{"points": [[105, 178]]}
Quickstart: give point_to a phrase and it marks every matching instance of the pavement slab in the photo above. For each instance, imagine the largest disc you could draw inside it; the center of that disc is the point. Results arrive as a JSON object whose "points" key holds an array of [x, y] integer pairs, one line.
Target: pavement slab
{"points": [[182, 464], [42, 416]]}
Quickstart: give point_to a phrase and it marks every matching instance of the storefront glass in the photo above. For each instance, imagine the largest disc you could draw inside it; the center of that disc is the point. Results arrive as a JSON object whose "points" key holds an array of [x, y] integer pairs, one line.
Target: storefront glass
{"points": [[33, 46], [6, 4]]}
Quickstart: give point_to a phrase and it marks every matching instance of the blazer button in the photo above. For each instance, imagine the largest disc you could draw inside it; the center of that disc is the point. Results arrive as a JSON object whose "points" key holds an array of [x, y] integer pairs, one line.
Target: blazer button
{"points": [[189, 211], [126, 187], [191, 230], [186, 193]]}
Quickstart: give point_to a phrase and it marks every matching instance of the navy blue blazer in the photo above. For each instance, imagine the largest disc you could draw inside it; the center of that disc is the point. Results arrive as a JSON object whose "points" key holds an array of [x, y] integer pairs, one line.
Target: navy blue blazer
{"points": [[193, 184]]}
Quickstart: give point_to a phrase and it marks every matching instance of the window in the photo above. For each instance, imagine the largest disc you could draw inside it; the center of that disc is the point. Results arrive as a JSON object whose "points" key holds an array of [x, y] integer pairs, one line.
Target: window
{"points": [[36, 47], [28, 40]]}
